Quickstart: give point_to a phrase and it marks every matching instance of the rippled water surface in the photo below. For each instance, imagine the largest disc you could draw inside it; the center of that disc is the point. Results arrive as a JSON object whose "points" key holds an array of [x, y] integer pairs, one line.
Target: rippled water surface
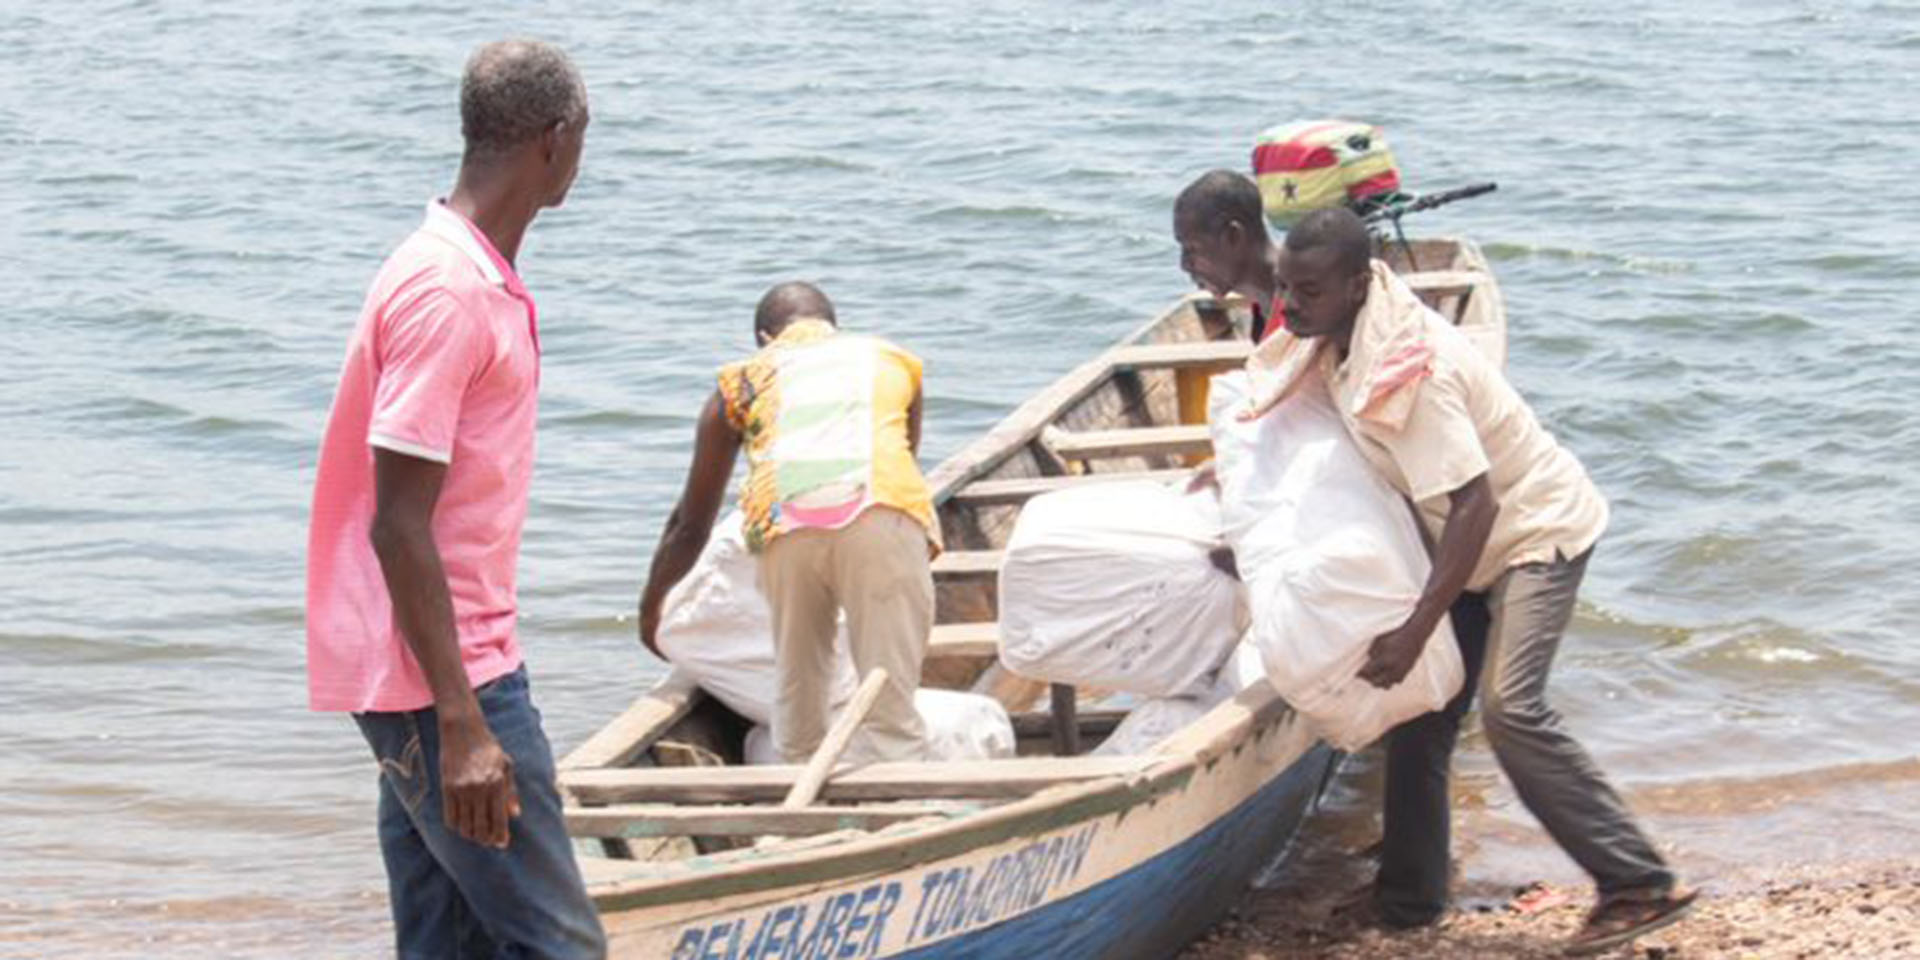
{"points": [[1703, 232]]}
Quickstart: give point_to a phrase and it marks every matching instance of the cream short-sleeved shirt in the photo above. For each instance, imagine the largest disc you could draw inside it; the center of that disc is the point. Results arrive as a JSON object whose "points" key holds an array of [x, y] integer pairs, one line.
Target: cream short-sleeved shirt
{"points": [[1468, 420]]}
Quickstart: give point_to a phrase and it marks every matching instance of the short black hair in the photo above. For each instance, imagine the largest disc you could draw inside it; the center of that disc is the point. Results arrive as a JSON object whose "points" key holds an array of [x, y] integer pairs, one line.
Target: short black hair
{"points": [[1217, 198], [1338, 229], [788, 302], [515, 90]]}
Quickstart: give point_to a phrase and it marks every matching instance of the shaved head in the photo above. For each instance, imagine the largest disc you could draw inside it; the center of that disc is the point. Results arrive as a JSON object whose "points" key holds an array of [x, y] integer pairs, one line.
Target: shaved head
{"points": [[1325, 274], [1337, 230], [789, 302]]}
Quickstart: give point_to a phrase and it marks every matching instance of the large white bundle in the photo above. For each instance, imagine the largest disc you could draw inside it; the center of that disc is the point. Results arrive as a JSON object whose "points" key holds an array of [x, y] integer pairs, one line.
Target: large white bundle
{"points": [[1110, 586], [1154, 720], [1332, 559], [1245, 668], [716, 627], [960, 726]]}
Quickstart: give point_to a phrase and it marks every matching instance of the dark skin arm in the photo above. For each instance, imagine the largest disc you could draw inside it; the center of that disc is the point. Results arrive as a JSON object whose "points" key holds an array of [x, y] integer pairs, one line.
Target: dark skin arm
{"points": [[913, 425], [1204, 477], [715, 445], [1470, 513], [476, 776]]}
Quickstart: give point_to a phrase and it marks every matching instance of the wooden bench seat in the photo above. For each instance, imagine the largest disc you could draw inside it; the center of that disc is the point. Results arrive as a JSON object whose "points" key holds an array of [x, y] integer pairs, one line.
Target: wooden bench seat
{"points": [[881, 781], [1444, 283], [1185, 355], [967, 563], [964, 640], [638, 821], [1180, 440], [1093, 723], [982, 493]]}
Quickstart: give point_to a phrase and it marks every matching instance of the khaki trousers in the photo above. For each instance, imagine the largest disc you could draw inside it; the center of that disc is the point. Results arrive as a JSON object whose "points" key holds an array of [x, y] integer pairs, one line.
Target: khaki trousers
{"points": [[877, 570], [1508, 636]]}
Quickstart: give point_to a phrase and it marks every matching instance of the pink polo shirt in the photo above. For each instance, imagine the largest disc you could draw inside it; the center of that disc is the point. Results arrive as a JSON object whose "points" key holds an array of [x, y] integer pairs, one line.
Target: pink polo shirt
{"points": [[444, 365]]}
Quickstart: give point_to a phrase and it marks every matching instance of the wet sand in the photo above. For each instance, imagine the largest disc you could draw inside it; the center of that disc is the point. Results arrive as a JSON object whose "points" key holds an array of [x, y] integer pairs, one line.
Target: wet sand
{"points": [[1789, 866], [1857, 911]]}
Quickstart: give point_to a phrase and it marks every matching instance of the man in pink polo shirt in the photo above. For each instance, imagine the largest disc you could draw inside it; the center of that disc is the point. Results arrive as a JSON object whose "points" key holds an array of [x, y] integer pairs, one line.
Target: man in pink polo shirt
{"points": [[417, 510]]}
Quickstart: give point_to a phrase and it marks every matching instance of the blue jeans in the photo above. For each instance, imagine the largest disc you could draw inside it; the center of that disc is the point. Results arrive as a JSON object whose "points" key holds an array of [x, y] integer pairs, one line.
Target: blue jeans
{"points": [[452, 897]]}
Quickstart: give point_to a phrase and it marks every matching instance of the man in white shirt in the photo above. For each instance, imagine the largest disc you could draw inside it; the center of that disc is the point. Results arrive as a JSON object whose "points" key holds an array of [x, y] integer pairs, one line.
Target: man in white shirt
{"points": [[1515, 518]]}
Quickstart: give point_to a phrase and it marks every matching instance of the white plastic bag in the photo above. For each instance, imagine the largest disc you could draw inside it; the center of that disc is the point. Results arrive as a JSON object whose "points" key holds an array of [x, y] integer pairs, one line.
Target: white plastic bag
{"points": [[1111, 586], [1332, 559], [960, 726], [715, 625]]}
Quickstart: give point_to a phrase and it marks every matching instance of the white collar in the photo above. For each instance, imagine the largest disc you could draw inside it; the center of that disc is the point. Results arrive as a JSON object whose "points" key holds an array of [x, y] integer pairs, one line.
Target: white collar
{"points": [[454, 228]]}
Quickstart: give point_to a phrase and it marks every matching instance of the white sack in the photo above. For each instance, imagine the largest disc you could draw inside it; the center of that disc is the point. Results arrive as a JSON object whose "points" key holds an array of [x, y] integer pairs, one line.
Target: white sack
{"points": [[1245, 668], [715, 625], [1151, 721], [960, 726], [1332, 559], [1110, 586]]}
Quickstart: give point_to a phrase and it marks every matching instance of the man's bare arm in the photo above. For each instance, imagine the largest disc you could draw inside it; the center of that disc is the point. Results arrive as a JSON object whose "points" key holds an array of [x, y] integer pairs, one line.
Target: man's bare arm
{"points": [[913, 423], [715, 445], [1470, 513], [476, 776]]}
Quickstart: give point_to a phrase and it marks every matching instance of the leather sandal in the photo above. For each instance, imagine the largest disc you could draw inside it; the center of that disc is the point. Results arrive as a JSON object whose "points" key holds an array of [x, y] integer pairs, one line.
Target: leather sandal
{"points": [[1628, 916]]}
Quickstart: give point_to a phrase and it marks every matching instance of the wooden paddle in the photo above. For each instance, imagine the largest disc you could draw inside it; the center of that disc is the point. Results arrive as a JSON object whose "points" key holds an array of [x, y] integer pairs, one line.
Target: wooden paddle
{"points": [[820, 765]]}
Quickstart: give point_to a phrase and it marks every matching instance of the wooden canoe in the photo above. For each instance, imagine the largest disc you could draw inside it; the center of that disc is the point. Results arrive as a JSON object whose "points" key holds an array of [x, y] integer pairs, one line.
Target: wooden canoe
{"points": [[1049, 854]]}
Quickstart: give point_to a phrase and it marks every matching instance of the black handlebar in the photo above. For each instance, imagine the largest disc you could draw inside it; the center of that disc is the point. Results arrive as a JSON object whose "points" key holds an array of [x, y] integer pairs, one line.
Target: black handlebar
{"points": [[1390, 211]]}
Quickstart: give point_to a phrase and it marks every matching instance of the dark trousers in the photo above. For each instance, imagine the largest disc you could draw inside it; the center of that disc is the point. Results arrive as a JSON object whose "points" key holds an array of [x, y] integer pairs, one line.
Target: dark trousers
{"points": [[1508, 637]]}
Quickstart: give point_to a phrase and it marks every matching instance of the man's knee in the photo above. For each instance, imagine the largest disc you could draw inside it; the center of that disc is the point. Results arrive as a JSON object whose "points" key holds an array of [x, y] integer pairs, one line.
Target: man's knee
{"points": [[1508, 717]]}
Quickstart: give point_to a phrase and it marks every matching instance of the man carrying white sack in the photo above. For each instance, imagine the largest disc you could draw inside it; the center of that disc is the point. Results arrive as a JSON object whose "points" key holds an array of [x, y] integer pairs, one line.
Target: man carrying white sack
{"points": [[835, 507], [1515, 517]]}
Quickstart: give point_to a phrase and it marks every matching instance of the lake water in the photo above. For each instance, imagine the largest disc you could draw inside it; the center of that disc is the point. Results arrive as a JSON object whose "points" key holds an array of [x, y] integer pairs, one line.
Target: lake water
{"points": [[1703, 232]]}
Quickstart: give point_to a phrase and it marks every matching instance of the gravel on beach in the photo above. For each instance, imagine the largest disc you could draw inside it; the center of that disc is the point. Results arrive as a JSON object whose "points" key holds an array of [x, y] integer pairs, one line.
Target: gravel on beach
{"points": [[1829, 911]]}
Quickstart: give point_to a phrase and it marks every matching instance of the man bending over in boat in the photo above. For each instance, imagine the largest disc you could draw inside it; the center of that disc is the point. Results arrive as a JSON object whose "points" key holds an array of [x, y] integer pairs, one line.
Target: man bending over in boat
{"points": [[835, 506], [417, 510], [1515, 518]]}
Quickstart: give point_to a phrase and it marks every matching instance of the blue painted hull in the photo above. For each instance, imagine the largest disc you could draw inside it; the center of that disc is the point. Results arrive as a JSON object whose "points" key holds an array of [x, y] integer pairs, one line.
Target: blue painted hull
{"points": [[1159, 906]]}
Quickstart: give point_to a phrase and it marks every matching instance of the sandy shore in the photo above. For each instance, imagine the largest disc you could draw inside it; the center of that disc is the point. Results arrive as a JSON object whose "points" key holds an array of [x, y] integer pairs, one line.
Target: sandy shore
{"points": [[1859, 911]]}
